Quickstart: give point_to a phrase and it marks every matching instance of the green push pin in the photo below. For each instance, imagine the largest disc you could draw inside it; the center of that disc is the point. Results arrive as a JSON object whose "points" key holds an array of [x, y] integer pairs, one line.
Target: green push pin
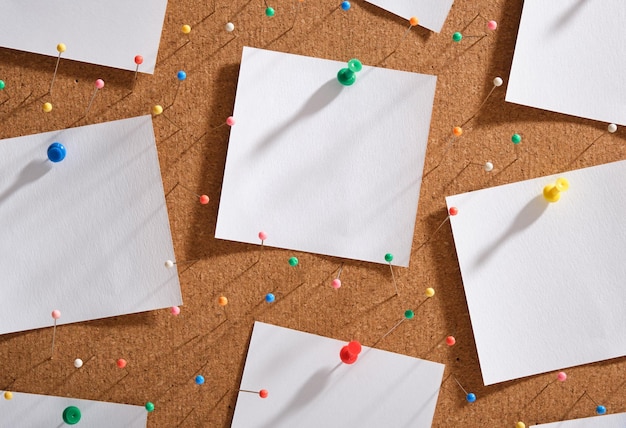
{"points": [[347, 76], [409, 314], [270, 11], [2, 84], [150, 406], [293, 261], [516, 138], [457, 37], [71, 415], [389, 259]]}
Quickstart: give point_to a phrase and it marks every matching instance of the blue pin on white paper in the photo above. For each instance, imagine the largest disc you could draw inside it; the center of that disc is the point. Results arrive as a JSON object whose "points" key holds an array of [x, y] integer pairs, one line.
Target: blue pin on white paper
{"points": [[56, 152]]}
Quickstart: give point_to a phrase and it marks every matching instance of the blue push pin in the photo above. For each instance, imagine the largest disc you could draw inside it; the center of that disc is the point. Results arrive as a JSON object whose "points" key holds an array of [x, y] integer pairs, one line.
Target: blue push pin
{"points": [[345, 5], [600, 410], [56, 152], [269, 298], [469, 396], [199, 380], [181, 75]]}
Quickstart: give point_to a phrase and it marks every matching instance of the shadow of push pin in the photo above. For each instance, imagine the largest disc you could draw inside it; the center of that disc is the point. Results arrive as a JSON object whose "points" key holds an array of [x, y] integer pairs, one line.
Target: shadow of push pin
{"points": [[470, 397], [600, 409], [347, 76], [552, 192], [350, 353], [56, 152]]}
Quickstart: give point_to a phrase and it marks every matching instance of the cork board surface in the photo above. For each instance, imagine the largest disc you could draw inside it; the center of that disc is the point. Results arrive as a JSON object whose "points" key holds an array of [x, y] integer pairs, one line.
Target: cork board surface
{"points": [[165, 353]]}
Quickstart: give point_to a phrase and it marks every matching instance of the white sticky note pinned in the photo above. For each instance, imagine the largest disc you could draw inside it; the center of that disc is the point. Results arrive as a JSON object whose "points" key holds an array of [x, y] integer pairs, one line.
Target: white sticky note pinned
{"points": [[544, 281], [109, 34], [89, 235], [308, 386], [431, 14], [617, 420], [321, 167], [556, 68]]}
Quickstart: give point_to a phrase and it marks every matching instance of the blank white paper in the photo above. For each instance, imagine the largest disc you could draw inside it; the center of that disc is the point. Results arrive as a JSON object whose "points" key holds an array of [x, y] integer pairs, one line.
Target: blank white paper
{"points": [[107, 33], [431, 14], [564, 64], [36, 411], [605, 421], [544, 281], [88, 236], [309, 386], [321, 167]]}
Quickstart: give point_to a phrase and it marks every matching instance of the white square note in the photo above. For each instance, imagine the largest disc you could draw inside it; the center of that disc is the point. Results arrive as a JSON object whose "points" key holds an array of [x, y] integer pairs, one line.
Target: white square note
{"points": [[321, 167], [544, 281], [309, 387], [431, 14], [87, 236]]}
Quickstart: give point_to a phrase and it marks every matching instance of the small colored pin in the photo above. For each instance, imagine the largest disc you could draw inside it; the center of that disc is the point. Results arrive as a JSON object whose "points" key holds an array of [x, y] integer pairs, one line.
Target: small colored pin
{"points": [[450, 340], [180, 76], [520, 424], [199, 379], [56, 314], [262, 393], [71, 415], [2, 86], [175, 310], [293, 261], [60, 49], [78, 363], [203, 199], [157, 110], [121, 363], [138, 62], [600, 409], [56, 152], [269, 12], [389, 259], [336, 283], [552, 192], [408, 315], [230, 121], [430, 292], [149, 406], [99, 84], [347, 76], [560, 377], [270, 298], [46, 107], [497, 82], [491, 26], [350, 352], [8, 395], [345, 5], [469, 396], [611, 129], [223, 301], [229, 27], [262, 237]]}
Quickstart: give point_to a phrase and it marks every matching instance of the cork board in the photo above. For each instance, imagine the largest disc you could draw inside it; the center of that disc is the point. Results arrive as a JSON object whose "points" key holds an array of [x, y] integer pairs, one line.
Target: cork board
{"points": [[165, 353]]}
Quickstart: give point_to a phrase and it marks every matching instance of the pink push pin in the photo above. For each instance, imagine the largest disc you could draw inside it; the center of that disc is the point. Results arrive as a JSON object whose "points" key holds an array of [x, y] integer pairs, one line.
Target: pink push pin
{"points": [[99, 84], [175, 310], [560, 377], [56, 314], [336, 284], [350, 353], [230, 121], [138, 61], [262, 237]]}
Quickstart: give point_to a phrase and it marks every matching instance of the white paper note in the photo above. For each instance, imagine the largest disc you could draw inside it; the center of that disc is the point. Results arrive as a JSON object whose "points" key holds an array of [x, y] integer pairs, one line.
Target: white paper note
{"points": [[321, 167], [605, 421], [35, 411], [110, 33], [87, 236], [544, 281], [559, 65], [431, 14], [309, 386]]}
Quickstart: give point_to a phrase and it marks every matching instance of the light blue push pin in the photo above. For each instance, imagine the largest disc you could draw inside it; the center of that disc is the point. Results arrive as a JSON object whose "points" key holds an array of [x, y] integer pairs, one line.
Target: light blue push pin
{"points": [[269, 298], [345, 5], [199, 380], [181, 75], [56, 152]]}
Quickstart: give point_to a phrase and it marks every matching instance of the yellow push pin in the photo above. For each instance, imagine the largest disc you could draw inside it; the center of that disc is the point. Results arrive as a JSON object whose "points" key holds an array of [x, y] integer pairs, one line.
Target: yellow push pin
{"points": [[552, 192], [520, 424]]}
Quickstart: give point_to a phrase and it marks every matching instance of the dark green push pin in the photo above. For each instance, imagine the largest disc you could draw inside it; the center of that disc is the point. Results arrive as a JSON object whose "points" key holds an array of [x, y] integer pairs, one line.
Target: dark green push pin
{"points": [[293, 261], [149, 406], [71, 415], [269, 11], [347, 76]]}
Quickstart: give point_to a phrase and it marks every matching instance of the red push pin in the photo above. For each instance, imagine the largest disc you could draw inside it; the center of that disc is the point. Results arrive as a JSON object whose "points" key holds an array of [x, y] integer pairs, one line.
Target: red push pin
{"points": [[262, 393], [138, 61], [451, 212], [350, 352]]}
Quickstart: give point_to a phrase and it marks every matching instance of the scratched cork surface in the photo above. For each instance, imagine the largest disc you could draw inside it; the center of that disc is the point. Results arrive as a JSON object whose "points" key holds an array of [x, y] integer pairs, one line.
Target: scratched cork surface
{"points": [[164, 353]]}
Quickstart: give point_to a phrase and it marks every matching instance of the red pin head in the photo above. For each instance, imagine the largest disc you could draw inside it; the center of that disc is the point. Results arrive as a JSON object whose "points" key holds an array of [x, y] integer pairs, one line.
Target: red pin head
{"points": [[263, 393], [453, 211], [350, 352], [138, 59]]}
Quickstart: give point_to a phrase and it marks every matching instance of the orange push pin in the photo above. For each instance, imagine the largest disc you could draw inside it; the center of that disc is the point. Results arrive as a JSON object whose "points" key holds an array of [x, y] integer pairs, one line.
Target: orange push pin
{"points": [[552, 192]]}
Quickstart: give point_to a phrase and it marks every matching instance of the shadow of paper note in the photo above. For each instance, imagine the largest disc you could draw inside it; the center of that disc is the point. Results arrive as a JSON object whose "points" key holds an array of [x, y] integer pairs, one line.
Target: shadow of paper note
{"points": [[318, 101], [29, 174], [524, 219], [307, 394]]}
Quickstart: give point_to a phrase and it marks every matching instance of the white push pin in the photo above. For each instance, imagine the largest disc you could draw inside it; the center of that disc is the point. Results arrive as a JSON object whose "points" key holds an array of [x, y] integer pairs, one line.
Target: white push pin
{"points": [[497, 82]]}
